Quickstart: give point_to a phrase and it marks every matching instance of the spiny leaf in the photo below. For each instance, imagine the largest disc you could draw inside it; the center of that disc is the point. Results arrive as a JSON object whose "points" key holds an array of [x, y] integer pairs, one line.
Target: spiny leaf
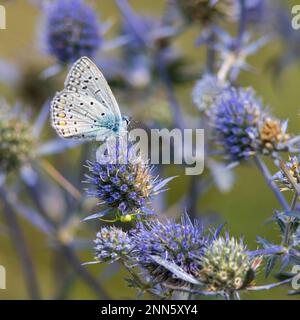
{"points": [[163, 183], [176, 270], [96, 215], [270, 265]]}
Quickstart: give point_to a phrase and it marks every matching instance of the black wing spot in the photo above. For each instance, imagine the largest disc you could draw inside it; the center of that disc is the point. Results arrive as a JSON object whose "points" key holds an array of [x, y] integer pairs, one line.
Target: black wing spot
{"points": [[81, 103], [102, 114], [84, 88], [96, 79], [92, 103]]}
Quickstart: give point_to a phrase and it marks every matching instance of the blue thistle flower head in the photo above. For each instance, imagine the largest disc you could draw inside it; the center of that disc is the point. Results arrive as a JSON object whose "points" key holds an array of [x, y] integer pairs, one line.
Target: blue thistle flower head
{"points": [[181, 243], [205, 91], [125, 186], [236, 115], [227, 266], [112, 244], [17, 143], [72, 30]]}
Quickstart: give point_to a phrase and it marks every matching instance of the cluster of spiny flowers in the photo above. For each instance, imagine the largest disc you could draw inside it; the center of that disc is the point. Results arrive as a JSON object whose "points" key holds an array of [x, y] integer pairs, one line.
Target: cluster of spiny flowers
{"points": [[72, 30], [171, 255], [124, 187], [15, 140], [164, 254], [124, 183], [241, 125], [226, 264], [112, 244]]}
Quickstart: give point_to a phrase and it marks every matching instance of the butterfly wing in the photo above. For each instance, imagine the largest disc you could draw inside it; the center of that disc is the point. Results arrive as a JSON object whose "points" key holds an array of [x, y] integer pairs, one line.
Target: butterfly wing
{"points": [[86, 78], [75, 115]]}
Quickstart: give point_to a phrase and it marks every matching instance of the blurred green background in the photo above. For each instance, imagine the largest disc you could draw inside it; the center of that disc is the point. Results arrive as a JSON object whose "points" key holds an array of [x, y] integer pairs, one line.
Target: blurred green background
{"points": [[246, 208]]}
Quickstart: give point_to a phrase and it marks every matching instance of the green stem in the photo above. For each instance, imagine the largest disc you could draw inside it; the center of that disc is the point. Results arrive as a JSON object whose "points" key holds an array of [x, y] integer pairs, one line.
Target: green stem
{"points": [[21, 246], [286, 237], [268, 177], [294, 201]]}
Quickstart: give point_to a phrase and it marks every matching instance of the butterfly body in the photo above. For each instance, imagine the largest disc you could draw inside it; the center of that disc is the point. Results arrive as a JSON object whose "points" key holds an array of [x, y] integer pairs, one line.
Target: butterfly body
{"points": [[86, 108]]}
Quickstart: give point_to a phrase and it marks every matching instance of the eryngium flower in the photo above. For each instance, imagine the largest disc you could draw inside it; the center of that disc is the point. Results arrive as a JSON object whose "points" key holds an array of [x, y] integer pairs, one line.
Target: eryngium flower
{"points": [[284, 180], [147, 24], [205, 91], [236, 116], [182, 243], [72, 29], [15, 141], [244, 128], [112, 244], [126, 188], [227, 266], [139, 65], [272, 135]]}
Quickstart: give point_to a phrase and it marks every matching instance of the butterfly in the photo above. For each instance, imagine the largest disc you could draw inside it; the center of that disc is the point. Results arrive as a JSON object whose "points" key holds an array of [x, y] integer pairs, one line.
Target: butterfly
{"points": [[86, 108]]}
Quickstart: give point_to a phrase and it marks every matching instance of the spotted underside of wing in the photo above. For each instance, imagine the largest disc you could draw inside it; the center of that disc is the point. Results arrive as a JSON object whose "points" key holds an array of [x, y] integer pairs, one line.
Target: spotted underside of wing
{"points": [[86, 78], [75, 115]]}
